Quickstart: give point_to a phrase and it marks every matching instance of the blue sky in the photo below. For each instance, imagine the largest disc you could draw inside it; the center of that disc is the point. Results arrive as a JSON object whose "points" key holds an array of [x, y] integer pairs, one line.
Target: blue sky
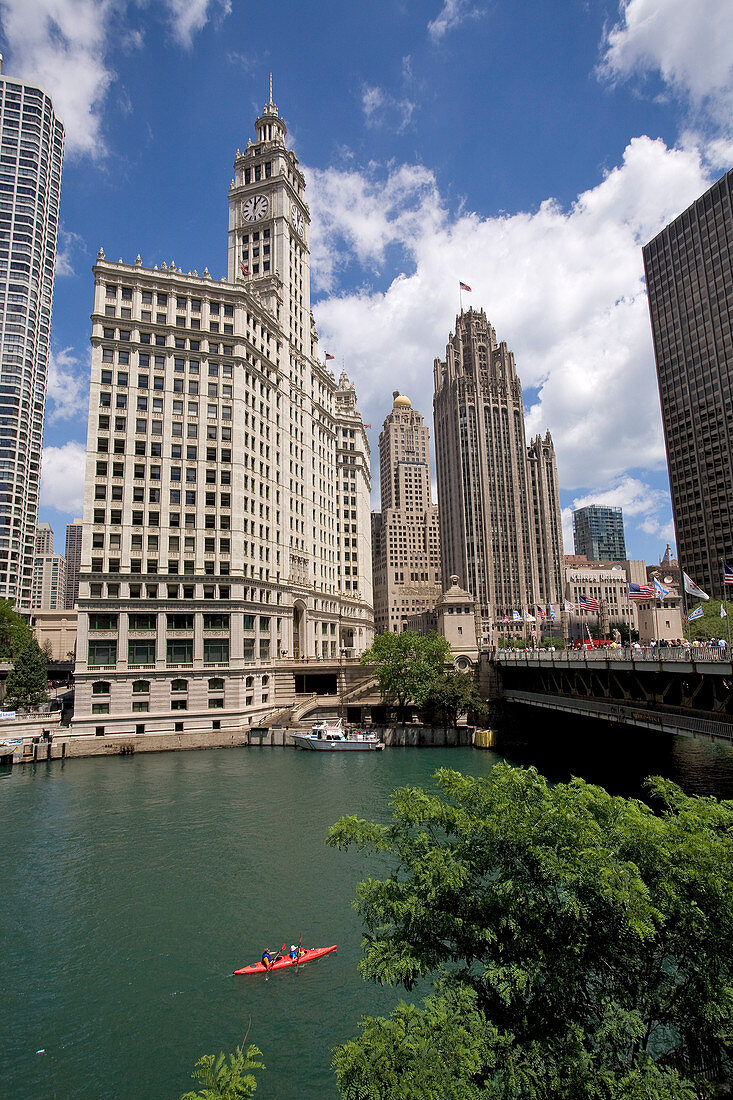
{"points": [[528, 149]]}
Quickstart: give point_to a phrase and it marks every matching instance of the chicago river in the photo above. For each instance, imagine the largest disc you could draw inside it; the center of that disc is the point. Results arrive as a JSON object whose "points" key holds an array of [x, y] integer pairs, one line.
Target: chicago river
{"points": [[134, 886]]}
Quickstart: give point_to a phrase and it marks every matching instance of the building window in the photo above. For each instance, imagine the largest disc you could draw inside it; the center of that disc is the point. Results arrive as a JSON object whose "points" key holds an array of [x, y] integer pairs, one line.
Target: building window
{"points": [[102, 653]]}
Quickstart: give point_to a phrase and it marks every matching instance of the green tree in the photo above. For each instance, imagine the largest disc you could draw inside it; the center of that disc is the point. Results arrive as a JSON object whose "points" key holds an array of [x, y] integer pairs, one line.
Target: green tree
{"points": [[451, 694], [14, 631], [406, 666], [222, 1080], [585, 941], [26, 684], [711, 625]]}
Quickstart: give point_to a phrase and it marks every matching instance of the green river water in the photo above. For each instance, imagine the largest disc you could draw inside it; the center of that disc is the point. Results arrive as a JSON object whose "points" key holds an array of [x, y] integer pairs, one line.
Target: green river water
{"points": [[131, 888]]}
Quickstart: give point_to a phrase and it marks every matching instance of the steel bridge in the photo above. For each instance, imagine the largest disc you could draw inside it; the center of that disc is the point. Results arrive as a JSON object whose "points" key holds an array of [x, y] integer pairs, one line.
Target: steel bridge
{"points": [[671, 690]]}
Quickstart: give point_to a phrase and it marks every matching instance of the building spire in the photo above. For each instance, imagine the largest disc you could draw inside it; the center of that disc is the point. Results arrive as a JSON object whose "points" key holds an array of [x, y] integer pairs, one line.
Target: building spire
{"points": [[270, 99]]}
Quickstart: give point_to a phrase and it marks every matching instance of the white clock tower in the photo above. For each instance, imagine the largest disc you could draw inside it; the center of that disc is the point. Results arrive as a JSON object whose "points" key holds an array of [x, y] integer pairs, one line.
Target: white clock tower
{"points": [[268, 228]]}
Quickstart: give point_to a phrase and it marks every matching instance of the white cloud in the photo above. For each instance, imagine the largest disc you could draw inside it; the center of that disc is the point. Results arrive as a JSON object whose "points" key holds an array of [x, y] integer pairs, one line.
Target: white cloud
{"points": [[188, 17], [61, 45], [359, 215], [450, 16], [379, 108], [67, 393], [563, 287], [66, 46], [643, 507], [69, 243], [688, 45], [62, 478]]}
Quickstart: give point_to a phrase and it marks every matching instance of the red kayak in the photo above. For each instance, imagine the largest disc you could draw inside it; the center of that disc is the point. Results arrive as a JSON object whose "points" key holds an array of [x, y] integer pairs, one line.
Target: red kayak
{"points": [[280, 962]]}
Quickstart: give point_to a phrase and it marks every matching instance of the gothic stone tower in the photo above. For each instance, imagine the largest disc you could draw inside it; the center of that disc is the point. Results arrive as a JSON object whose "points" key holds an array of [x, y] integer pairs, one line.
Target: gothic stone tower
{"points": [[485, 492]]}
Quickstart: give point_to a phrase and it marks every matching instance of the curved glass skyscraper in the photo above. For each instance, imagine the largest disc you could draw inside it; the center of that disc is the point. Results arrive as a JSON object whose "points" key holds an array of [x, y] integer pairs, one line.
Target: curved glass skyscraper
{"points": [[31, 152]]}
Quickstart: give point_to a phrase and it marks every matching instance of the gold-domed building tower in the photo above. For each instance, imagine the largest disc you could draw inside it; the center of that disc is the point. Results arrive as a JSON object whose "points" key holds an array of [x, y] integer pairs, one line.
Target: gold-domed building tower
{"points": [[405, 534]]}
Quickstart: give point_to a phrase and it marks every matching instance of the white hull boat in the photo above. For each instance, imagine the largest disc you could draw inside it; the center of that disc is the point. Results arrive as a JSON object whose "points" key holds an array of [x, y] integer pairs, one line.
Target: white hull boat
{"points": [[332, 737]]}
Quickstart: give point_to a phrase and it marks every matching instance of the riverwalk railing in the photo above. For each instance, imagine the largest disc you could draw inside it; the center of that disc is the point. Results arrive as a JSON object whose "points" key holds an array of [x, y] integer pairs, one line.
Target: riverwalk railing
{"points": [[656, 654]]}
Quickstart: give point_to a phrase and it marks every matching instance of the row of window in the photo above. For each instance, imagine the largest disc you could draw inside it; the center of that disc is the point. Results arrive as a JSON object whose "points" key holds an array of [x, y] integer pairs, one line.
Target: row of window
{"points": [[152, 591], [179, 652], [182, 301], [142, 687]]}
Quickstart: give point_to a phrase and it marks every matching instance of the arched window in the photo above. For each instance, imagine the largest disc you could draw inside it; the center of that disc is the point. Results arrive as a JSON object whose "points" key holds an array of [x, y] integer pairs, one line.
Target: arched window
{"points": [[248, 682], [265, 681], [140, 687], [216, 684], [179, 685], [100, 687]]}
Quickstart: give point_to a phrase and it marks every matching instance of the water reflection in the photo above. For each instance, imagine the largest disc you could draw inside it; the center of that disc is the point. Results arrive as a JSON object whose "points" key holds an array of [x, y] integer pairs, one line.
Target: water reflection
{"points": [[615, 757]]}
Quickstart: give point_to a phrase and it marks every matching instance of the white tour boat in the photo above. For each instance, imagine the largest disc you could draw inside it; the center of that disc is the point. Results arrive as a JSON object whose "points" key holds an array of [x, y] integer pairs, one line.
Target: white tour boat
{"points": [[332, 737]]}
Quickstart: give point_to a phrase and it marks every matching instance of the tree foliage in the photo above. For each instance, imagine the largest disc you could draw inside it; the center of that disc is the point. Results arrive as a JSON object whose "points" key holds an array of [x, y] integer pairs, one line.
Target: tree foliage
{"points": [[27, 680], [227, 1080], [406, 666], [14, 631], [711, 625], [451, 694], [580, 944]]}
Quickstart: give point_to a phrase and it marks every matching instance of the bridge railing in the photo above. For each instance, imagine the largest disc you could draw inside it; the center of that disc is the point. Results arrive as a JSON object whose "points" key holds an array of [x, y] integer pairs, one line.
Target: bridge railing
{"points": [[709, 653]]}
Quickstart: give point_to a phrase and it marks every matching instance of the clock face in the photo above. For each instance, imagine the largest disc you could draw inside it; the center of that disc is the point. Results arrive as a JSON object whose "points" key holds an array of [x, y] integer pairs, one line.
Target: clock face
{"points": [[297, 219], [254, 208]]}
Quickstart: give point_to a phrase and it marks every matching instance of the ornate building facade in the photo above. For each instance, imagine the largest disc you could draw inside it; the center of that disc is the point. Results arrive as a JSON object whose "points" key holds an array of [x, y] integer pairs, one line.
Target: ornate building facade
{"points": [[405, 533], [500, 523], [214, 546]]}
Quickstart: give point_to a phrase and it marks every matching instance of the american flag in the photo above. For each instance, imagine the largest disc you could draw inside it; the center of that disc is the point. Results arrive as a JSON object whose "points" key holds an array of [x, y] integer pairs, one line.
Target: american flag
{"points": [[243, 268], [541, 612], [329, 356], [641, 591], [465, 286], [727, 573], [589, 603]]}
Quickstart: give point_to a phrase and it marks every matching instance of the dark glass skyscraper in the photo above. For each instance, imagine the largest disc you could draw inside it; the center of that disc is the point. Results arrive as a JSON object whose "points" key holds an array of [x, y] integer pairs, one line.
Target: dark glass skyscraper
{"points": [[689, 273], [598, 532]]}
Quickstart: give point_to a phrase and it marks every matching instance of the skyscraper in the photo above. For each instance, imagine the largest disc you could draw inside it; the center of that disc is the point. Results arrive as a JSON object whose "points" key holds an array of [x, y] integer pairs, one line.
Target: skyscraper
{"points": [[226, 499], [406, 544], [598, 533], [689, 274], [30, 185], [547, 518], [495, 512], [44, 538], [73, 561]]}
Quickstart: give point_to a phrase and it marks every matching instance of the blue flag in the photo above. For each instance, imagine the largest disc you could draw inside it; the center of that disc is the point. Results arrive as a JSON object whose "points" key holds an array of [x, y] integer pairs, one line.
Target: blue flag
{"points": [[696, 614], [659, 590], [552, 613]]}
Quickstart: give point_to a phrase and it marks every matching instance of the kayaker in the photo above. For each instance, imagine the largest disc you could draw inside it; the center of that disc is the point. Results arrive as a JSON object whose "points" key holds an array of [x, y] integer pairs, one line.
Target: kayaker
{"points": [[294, 952], [267, 960]]}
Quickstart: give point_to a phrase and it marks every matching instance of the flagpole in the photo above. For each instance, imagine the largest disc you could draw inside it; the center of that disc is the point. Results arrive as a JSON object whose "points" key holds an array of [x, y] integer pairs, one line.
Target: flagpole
{"points": [[727, 616], [460, 299], [685, 621]]}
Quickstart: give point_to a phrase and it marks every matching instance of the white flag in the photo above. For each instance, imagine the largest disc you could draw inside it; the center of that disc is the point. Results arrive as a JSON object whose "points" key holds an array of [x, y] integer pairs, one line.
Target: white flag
{"points": [[723, 612], [692, 589]]}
